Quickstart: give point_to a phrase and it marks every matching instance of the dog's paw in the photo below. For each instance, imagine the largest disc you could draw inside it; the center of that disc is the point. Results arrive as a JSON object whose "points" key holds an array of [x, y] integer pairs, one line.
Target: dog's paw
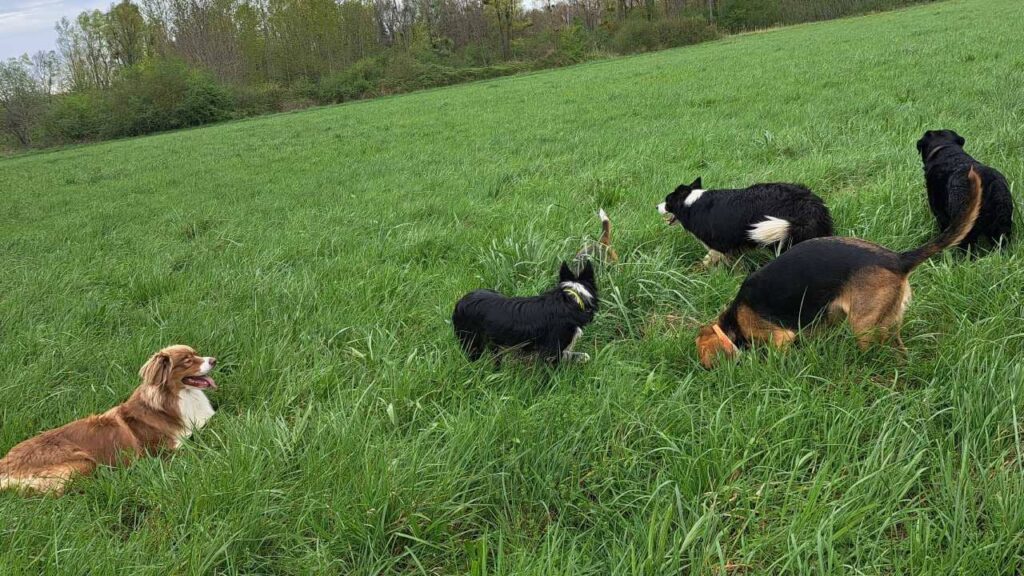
{"points": [[714, 258], [581, 357]]}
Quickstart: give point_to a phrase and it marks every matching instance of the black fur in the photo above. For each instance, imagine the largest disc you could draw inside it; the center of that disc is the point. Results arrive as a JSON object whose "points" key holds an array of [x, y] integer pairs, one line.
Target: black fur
{"points": [[545, 324], [723, 219], [945, 175]]}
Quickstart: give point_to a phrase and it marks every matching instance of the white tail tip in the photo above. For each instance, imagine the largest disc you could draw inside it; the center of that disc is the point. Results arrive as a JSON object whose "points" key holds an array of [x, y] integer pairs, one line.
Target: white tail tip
{"points": [[602, 215], [769, 231]]}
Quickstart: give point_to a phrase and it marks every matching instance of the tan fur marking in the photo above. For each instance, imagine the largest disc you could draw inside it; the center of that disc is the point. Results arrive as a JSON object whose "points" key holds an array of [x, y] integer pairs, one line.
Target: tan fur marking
{"points": [[874, 301], [756, 328]]}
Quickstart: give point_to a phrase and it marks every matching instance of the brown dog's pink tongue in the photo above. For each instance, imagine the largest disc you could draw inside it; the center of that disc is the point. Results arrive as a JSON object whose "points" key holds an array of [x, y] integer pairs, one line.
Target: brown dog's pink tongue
{"points": [[202, 382]]}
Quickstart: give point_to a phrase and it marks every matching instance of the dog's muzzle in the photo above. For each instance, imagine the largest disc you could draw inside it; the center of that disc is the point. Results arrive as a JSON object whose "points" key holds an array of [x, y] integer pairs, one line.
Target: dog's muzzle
{"points": [[670, 218]]}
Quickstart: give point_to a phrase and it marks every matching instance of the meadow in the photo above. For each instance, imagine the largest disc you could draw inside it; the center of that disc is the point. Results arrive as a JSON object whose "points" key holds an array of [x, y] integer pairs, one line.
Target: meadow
{"points": [[318, 255]]}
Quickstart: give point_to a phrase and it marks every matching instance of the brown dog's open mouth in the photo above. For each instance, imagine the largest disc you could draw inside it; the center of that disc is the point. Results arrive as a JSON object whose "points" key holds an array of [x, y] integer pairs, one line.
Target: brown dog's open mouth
{"points": [[201, 382]]}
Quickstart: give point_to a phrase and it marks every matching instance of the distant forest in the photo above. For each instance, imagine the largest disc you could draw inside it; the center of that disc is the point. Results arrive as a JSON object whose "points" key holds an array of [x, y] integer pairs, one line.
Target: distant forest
{"points": [[151, 65]]}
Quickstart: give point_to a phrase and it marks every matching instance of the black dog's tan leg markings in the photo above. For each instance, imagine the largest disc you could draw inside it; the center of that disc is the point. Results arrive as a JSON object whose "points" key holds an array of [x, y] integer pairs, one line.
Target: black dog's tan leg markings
{"points": [[876, 299], [756, 328]]}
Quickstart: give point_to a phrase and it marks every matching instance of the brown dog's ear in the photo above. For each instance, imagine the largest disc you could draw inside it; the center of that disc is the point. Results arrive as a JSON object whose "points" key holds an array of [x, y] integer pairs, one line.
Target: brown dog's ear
{"points": [[156, 371]]}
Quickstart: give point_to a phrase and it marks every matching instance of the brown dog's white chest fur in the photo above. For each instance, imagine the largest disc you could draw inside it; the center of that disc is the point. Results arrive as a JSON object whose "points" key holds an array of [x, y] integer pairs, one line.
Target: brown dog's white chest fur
{"points": [[195, 409]]}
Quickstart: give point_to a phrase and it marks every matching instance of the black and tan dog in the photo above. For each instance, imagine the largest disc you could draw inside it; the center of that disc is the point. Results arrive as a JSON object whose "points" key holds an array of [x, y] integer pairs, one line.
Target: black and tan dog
{"points": [[829, 279], [945, 167]]}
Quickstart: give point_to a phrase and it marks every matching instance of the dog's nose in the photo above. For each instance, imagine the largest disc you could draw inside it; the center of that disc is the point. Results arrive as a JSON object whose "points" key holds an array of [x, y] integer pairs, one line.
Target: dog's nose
{"points": [[213, 361]]}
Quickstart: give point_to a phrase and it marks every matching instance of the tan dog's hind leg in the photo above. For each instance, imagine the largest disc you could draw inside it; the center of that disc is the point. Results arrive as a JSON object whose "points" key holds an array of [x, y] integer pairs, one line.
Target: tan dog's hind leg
{"points": [[876, 312]]}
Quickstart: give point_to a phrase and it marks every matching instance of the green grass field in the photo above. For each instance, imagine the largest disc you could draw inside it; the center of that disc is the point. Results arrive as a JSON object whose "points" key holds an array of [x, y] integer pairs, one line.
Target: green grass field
{"points": [[318, 255]]}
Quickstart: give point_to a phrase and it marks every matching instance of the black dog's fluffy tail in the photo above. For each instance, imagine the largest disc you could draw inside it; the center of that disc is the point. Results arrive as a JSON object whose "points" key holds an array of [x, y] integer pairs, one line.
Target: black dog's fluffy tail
{"points": [[603, 248], [956, 231]]}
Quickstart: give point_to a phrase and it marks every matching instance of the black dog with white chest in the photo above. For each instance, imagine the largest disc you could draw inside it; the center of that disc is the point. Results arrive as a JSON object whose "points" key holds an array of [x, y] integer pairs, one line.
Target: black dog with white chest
{"points": [[548, 324], [730, 222], [945, 175]]}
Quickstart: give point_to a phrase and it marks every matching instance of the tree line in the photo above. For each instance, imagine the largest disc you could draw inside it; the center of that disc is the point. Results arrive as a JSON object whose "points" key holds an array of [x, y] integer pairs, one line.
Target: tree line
{"points": [[150, 65]]}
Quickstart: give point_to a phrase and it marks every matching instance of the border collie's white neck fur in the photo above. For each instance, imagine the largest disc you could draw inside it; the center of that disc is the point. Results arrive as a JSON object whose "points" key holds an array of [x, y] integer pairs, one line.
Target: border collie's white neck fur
{"points": [[693, 196], [195, 410], [579, 289]]}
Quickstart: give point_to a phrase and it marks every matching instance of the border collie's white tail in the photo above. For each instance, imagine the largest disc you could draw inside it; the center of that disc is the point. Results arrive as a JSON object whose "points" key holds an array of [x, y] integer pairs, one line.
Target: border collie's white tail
{"points": [[772, 230]]}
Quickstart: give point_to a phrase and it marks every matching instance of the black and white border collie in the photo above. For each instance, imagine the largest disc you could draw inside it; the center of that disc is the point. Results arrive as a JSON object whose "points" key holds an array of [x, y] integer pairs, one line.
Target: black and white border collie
{"points": [[729, 222], [945, 175], [548, 324]]}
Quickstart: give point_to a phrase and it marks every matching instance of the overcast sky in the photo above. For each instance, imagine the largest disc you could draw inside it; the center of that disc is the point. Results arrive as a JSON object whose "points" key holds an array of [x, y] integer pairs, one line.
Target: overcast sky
{"points": [[27, 25]]}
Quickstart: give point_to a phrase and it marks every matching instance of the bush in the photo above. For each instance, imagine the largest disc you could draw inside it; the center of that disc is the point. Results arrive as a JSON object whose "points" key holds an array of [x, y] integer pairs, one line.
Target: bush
{"points": [[683, 32], [751, 14], [635, 35], [257, 99], [165, 95], [358, 81], [640, 35], [205, 101], [79, 117], [573, 43], [405, 74]]}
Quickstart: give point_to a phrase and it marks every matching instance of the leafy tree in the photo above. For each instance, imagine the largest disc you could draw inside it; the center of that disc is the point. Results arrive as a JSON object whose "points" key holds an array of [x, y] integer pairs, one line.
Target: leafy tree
{"points": [[126, 34], [22, 100], [84, 45], [505, 13]]}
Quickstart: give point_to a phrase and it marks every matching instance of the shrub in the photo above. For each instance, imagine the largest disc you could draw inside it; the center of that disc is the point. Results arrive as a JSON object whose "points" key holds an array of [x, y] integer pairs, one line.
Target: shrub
{"points": [[404, 74], [257, 99], [635, 35], [573, 43], [205, 101], [302, 89], [639, 35], [751, 14], [357, 81], [683, 32], [78, 117], [165, 95]]}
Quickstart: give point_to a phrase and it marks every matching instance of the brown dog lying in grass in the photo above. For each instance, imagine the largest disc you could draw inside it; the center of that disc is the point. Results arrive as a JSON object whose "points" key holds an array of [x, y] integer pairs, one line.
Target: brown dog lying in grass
{"points": [[163, 410]]}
